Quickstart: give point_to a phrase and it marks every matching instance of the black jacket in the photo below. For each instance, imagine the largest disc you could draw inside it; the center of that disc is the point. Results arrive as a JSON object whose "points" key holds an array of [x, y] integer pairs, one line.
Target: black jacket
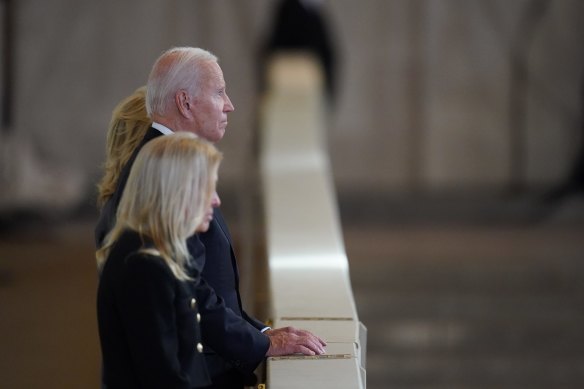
{"points": [[232, 339], [148, 322]]}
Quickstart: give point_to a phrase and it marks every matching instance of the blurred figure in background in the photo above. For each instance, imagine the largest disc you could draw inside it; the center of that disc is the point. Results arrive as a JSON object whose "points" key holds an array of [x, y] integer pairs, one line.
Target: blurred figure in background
{"points": [[299, 25], [573, 185]]}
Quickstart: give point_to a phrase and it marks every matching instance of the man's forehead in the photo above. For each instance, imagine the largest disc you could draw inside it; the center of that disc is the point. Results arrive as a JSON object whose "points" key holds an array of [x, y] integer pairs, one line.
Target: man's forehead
{"points": [[212, 68], [212, 72]]}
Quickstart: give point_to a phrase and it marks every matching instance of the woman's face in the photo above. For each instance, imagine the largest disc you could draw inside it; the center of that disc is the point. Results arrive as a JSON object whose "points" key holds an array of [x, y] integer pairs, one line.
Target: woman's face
{"points": [[215, 202]]}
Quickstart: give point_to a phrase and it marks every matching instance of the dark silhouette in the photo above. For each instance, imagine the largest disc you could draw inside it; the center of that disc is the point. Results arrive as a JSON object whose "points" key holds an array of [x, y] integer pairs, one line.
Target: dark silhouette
{"points": [[297, 26], [574, 183]]}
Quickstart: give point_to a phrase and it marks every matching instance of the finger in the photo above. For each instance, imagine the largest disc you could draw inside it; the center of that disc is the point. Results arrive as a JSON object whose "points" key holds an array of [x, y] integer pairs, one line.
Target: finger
{"points": [[303, 350], [310, 334], [316, 339], [312, 344]]}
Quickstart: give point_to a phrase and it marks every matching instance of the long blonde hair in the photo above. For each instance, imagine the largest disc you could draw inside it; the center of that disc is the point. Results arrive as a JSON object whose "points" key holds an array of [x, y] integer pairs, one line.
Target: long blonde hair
{"points": [[126, 129], [168, 191]]}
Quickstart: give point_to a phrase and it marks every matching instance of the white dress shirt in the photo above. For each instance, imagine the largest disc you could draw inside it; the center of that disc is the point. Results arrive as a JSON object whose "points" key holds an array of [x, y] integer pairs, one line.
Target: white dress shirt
{"points": [[165, 130]]}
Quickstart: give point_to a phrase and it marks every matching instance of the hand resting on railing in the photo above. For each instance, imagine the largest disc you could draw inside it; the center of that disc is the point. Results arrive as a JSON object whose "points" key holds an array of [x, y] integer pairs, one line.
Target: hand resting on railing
{"points": [[290, 340]]}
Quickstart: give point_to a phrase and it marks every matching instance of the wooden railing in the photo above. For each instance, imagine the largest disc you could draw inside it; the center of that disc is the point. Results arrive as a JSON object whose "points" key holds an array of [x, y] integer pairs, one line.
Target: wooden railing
{"points": [[308, 269]]}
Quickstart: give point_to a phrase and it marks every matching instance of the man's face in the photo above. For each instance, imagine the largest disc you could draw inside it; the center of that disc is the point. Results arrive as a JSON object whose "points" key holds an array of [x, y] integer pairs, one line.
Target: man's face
{"points": [[212, 104]]}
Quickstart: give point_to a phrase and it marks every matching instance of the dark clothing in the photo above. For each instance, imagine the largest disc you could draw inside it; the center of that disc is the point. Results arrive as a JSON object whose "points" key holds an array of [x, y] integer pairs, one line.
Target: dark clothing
{"points": [[232, 340], [231, 379], [148, 325], [298, 27]]}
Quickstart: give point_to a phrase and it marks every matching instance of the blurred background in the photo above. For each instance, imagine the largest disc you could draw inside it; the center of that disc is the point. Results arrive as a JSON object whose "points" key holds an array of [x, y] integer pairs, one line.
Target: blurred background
{"points": [[456, 136]]}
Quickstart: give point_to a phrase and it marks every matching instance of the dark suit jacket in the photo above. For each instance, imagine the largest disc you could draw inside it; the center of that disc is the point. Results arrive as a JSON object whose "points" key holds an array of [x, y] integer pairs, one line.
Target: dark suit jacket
{"points": [[232, 339], [148, 324]]}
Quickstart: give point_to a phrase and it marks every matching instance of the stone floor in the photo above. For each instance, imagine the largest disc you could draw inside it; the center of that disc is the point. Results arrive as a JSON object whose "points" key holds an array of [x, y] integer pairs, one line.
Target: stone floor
{"points": [[471, 307], [470, 294], [48, 326], [463, 303]]}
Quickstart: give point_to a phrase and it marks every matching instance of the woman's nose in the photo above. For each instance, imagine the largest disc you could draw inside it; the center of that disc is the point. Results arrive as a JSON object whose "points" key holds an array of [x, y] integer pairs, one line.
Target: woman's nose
{"points": [[215, 200]]}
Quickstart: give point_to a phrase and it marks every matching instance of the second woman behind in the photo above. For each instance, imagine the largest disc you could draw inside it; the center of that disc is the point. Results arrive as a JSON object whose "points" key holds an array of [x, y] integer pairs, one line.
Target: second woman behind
{"points": [[147, 311], [126, 130]]}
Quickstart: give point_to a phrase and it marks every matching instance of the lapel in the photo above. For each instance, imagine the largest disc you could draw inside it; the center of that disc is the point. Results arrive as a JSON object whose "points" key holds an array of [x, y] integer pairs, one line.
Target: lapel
{"points": [[218, 217], [222, 226]]}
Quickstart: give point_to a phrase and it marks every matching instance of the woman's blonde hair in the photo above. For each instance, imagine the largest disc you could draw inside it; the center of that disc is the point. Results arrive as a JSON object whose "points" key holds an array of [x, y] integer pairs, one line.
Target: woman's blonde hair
{"points": [[168, 191], [127, 127]]}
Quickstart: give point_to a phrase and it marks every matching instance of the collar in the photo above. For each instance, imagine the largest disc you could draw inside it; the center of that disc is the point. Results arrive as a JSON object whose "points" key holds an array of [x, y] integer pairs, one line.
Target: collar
{"points": [[165, 130]]}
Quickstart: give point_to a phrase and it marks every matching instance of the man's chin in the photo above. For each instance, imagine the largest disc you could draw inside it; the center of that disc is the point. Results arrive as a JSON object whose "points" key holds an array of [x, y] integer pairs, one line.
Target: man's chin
{"points": [[220, 134], [216, 136]]}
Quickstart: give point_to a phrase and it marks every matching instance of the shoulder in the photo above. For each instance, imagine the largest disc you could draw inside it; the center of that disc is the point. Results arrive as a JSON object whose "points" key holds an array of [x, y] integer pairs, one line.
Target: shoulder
{"points": [[145, 261], [148, 274]]}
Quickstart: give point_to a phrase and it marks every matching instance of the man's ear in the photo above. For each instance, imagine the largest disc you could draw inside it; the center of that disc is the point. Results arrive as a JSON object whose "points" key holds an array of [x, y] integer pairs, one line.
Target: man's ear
{"points": [[184, 103]]}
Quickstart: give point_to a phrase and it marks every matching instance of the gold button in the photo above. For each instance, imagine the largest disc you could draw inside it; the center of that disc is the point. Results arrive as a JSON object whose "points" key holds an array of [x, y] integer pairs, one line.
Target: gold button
{"points": [[199, 347], [193, 303], [198, 317]]}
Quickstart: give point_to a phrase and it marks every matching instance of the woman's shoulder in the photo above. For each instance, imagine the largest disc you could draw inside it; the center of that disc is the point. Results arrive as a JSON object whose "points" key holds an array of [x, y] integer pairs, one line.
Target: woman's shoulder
{"points": [[147, 259], [135, 253]]}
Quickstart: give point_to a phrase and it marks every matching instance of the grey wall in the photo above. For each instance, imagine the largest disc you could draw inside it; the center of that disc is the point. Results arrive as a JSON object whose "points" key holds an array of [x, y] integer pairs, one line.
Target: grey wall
{"points": [[424, 102]]}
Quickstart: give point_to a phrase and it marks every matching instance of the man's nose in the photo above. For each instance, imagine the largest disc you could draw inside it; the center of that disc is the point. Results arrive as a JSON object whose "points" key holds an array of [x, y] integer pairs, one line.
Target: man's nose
{"points": [[228, 107]]}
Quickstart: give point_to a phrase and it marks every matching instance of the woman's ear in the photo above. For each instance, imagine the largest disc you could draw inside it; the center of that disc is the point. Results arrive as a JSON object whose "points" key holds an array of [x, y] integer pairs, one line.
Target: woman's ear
{"points": [[184, 103]]}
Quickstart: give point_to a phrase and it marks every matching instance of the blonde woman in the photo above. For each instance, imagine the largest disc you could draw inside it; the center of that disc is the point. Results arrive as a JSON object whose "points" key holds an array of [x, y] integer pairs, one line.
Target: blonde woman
{"points": [[126, 129], [146, 302]]}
